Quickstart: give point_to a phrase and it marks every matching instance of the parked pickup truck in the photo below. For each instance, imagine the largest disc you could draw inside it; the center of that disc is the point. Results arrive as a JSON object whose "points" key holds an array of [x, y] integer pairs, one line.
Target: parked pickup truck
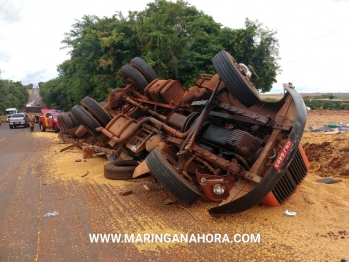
{"points": [[9, 112], [49, 120], [19, 119]]}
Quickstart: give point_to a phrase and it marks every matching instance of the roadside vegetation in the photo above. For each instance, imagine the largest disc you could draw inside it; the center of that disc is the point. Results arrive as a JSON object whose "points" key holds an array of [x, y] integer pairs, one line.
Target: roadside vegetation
{"points": [[12, 94], [327, 104], [320, 101]]}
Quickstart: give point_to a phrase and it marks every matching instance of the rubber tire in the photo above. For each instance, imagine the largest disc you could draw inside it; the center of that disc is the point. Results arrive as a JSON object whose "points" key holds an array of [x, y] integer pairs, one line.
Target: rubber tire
{"points": [[42, 128], [120, 170], [168, 176], [239, 85], [68, 123], [96, 110], [54, 127], [86, 119], [11, 127], [73, 119], [61, 124], [144, 68], [131, 75]]}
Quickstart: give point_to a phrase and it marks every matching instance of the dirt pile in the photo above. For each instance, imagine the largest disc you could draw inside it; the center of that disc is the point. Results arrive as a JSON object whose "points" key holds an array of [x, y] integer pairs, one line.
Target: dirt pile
{"points": [[327, 151]]}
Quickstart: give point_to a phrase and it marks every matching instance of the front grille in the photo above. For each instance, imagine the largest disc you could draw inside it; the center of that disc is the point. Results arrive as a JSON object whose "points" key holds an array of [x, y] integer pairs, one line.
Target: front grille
{"points": [[291, 178]]}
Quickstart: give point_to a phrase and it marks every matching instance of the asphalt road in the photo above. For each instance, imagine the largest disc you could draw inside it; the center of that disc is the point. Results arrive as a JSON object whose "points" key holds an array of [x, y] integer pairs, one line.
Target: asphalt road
{"points": [[25, 197], [35, 98]]}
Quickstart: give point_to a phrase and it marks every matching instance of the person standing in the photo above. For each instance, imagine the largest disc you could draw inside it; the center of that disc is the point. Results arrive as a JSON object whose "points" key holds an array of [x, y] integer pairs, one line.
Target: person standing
{"points": [[31, 120]]}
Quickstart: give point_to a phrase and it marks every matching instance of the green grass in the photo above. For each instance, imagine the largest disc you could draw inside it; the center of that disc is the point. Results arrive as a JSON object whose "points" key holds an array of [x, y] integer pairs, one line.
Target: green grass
{"points": [[344, 96], [3, 118]]}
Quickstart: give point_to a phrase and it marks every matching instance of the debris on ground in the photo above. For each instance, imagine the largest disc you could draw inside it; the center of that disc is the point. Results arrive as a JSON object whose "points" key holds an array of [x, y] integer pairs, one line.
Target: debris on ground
{"points": [[189, 212], [328, 180], [290, 214], [125, 193], [146, 187], [168, 201], [70, 146], [314, 166], [98, 154], [87, 152], [54, 213], [85, 174], [331, 127]]}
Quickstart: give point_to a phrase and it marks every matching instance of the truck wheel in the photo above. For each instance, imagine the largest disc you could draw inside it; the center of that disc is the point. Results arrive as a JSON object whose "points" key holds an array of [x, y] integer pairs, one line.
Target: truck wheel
{"points": [[238, 84], [120, 170], [11, 127], [131, 75], [96, 110], [162, 166], [67, 121], [55, 129], [73, 119], [86, 119], [42, 128], [146, 70], [61, 124]]}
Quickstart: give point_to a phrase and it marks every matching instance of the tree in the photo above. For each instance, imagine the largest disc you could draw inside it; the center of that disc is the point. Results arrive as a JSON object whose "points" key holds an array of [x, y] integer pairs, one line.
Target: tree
{"points": [[176, 39], [256, 46], [13, 94]]}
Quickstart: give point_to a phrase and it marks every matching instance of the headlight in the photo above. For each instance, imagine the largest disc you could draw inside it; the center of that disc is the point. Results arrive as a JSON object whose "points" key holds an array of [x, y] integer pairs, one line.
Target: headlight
{"points": [[218, 189]]}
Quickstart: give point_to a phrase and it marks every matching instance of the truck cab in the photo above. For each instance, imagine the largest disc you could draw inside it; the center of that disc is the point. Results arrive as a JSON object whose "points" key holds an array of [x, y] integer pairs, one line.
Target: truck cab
{"points": [[10, 111]]}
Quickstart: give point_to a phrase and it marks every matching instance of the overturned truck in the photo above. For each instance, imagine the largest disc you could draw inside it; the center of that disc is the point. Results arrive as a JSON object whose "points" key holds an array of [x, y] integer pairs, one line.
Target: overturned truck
{"points": [[217, 139]]}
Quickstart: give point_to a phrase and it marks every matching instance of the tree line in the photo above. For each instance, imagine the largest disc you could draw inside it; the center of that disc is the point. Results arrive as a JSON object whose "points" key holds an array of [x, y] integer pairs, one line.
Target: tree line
{"points": [[12, 94], [176, 39]]}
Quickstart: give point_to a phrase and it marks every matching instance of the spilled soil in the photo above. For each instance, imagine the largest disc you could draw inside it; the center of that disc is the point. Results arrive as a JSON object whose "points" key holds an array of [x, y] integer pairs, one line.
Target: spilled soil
{"points": [[319, 231]]}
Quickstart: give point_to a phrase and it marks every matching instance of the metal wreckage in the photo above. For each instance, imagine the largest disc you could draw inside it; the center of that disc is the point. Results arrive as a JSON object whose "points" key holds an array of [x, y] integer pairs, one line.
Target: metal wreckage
{"points": [[217, 139]]}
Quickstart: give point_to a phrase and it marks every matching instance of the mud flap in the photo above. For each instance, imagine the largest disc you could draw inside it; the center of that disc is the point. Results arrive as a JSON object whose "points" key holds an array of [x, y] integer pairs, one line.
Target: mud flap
{"points": [[141, 169]]}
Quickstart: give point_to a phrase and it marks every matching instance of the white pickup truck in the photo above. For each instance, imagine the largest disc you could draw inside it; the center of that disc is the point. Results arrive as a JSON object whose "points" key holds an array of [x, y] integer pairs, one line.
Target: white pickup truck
{"points": [[19, 119], [10, 111]]}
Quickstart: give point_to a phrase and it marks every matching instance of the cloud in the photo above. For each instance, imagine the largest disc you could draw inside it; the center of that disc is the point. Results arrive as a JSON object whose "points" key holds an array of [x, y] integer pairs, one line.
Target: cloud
{"points": [[313, 37], [10, 11], [4, 57], [35, 77]]}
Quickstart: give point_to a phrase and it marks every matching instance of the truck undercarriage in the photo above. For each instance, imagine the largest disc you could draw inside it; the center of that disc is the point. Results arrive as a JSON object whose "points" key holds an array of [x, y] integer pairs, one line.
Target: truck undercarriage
{"points": [[216, 140]]}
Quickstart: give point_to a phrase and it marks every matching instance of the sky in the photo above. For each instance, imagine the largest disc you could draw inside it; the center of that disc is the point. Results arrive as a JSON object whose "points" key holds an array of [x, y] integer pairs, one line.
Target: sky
{"points": [[313, 35]]}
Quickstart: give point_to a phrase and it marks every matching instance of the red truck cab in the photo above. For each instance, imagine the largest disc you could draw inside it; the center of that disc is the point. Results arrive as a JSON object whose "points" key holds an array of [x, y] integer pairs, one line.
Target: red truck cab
{"points": [[49, 120]]}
